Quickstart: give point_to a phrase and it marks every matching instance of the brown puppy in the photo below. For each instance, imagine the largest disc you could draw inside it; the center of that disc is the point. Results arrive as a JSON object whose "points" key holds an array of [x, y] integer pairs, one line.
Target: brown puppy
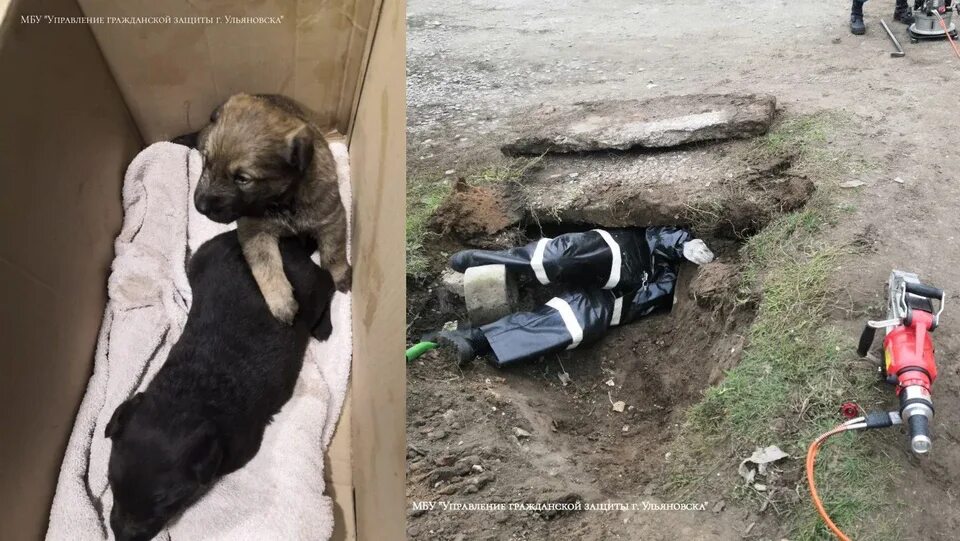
{"points": [[268, 166]]}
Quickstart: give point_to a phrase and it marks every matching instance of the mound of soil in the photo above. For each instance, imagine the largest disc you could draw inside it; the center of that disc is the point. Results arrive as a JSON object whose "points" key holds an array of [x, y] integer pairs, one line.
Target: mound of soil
{"points": [[715, 284], [472, 213]]}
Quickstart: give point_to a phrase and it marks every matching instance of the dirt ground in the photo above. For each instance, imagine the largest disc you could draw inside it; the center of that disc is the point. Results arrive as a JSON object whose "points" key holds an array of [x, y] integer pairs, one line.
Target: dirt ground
{"points": [[472, 64]]}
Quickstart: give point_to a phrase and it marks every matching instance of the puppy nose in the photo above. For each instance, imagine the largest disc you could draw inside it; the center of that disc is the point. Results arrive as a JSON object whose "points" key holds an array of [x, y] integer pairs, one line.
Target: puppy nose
{"points": [[203, 204]]}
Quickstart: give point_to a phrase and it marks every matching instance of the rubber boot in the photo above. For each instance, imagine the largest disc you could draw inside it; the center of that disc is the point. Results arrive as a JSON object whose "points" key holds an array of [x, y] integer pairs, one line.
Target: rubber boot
{"points": [[856, 18], [467, 344], [903, 13]]}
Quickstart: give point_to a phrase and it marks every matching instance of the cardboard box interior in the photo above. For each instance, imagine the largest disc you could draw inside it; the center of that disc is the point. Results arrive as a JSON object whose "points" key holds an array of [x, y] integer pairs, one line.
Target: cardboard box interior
{"points": [[78, 101]]}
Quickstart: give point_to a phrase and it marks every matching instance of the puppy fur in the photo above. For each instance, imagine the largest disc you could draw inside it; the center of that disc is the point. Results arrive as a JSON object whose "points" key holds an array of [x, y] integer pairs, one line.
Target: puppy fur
{"points": [[203, 415], [268, 166]]}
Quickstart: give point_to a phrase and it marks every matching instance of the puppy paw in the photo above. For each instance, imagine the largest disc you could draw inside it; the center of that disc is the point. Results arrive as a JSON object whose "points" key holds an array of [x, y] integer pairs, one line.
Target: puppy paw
{"points": [[283, 307], [344, 279]]}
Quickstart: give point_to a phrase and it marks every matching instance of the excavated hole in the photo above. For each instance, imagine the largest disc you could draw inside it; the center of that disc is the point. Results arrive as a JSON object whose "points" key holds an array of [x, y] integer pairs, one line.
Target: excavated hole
{"points": [[658, 366]]}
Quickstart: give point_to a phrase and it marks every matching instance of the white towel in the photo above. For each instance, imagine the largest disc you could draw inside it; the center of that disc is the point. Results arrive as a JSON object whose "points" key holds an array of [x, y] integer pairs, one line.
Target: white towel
{"points": [[279, 495]]}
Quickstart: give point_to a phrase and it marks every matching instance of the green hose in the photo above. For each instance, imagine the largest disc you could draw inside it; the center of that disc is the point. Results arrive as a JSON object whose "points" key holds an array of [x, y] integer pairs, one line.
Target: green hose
{"points": [[419, 349]]}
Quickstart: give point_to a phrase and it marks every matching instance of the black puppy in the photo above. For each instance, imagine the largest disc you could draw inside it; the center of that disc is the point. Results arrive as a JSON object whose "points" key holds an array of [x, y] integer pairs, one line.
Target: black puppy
{"points": [[234, 367]]}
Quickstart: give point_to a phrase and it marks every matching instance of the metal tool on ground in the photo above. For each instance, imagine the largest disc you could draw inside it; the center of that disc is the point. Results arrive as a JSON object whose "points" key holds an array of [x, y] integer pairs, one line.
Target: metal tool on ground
{"points": [[896, 43], [933, 20], [913, 313]]}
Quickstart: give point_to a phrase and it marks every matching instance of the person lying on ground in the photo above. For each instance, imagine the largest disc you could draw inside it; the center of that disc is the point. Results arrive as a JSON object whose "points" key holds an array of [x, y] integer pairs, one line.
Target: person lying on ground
{"points": [[615, 276]]}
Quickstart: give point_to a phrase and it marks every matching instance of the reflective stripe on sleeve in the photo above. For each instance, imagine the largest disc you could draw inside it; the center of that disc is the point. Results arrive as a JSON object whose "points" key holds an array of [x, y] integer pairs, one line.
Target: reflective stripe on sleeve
{"points": [[617, 310], [537, 261], [569, 320], [615, 263]]}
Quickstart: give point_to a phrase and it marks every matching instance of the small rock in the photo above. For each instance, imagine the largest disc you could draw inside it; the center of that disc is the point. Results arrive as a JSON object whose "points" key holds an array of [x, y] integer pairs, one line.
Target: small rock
{"points": [[452, 281], [564, 378], [450, 489], [836, 41], [437, 434], [610, 383], [449, 172], [626, 428], [469, 461], [445, 460], [852, 184], [482, 480], [619, 406], [520, 433], [477, 468], [490, 292], [898, 180], [717, 507], [440, 475], [760, 487]]}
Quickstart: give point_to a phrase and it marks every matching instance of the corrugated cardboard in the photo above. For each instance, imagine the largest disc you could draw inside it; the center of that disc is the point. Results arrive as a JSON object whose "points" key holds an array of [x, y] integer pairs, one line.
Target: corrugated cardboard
{"points": [[378, 156], [65, 141], [174, 75]]}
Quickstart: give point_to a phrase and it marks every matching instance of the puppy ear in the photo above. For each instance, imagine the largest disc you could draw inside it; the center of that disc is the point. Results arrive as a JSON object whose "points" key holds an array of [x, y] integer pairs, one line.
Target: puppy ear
{"points": [[121, 415], [206, 454], [300, 148]]}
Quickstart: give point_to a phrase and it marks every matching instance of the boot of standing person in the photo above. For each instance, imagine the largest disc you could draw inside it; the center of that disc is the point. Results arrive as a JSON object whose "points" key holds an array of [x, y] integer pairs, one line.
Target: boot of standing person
{"points": [[856, 18], [903, 13]]}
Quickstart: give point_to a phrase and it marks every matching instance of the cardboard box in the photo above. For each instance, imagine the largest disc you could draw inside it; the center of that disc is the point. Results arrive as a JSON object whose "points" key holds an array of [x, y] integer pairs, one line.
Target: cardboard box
{"points": [[78, 99]]}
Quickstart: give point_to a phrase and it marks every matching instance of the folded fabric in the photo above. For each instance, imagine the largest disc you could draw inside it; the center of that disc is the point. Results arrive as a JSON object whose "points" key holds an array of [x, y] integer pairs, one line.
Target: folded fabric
{"points": [[279, 495]]}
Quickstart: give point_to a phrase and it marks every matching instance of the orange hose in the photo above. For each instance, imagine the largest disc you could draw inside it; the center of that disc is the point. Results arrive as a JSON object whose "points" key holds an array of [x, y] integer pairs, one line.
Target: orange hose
{"points": [[811, 459], [947, 32]]}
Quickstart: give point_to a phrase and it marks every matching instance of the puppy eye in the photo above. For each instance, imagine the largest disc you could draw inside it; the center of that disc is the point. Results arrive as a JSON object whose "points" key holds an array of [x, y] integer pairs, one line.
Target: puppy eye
{"points": [[242, 179]]}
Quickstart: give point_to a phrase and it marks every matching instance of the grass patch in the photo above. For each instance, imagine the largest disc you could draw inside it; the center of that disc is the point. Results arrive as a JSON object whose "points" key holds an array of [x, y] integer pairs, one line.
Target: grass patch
{"points": [[794, 373], [809, 137], [796, 368], [425, 194], [803, 135]]}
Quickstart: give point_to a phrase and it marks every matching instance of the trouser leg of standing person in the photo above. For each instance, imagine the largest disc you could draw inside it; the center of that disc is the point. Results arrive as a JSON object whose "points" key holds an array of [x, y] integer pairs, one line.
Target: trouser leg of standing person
{"points": [[857, 26], [903, 12]]}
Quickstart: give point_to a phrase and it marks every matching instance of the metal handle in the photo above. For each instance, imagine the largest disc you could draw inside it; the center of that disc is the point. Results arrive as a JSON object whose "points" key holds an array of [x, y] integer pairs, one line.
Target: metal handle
{"points": [[920, 440], [923, 290], [866, 340]]}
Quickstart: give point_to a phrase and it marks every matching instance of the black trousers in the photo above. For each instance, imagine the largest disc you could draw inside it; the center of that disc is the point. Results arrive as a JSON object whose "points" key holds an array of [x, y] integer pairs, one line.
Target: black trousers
{"points": [[575, 318]]}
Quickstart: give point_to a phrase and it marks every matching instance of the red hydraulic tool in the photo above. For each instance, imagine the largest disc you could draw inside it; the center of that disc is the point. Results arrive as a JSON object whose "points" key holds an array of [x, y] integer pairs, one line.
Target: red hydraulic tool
{"points": [[908, 364]]}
